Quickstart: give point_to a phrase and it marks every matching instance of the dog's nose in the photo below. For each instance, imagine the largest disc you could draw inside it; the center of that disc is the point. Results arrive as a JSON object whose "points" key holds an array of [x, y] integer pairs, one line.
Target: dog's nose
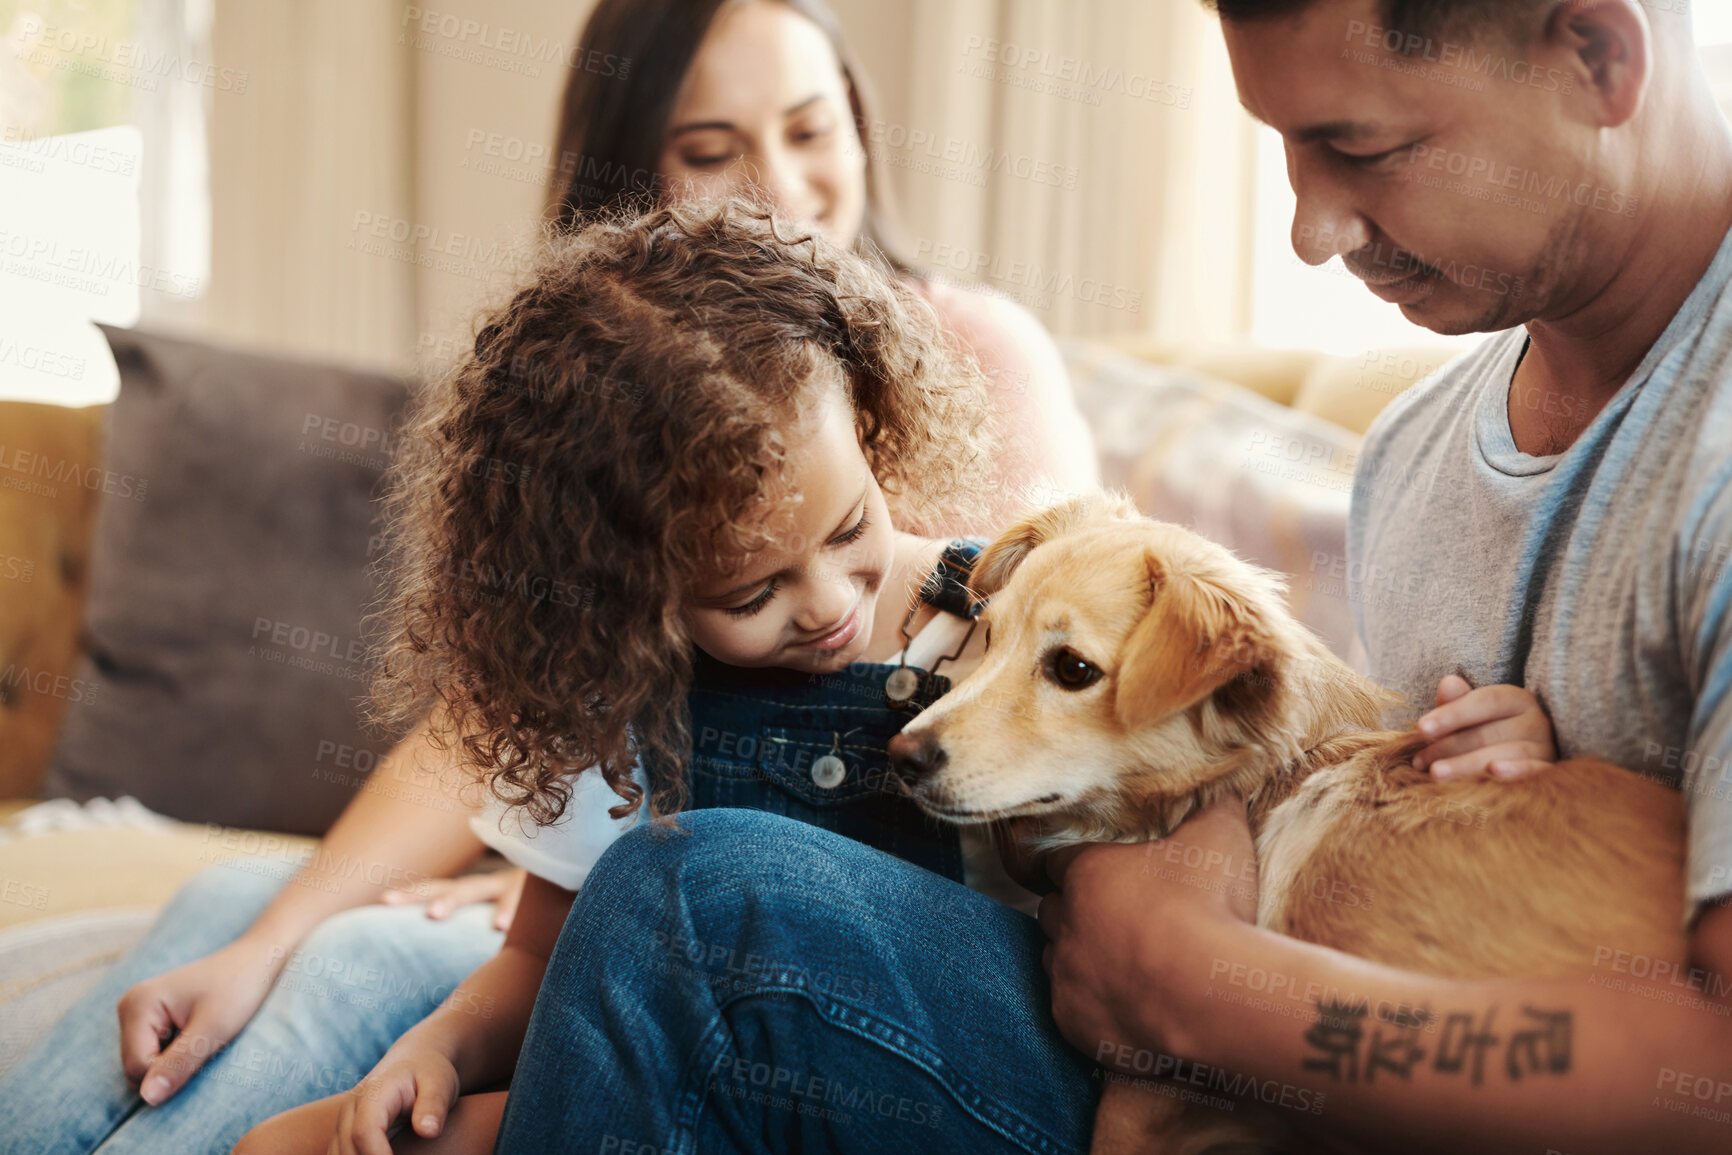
{"points": [[914, 756]]}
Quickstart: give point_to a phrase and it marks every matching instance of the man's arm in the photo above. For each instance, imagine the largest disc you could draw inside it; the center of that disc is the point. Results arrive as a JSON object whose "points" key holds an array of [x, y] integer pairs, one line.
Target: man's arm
{"points": [[1518, 1065]]}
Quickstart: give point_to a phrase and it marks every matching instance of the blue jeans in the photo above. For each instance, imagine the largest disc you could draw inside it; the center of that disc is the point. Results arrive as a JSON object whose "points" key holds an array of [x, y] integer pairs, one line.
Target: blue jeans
{"points": [[761, 985], [358, 981]]}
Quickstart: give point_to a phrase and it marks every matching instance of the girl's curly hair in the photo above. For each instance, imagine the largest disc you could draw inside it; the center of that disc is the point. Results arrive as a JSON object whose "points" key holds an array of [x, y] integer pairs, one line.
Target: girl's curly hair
{"points": [[609, 440]]}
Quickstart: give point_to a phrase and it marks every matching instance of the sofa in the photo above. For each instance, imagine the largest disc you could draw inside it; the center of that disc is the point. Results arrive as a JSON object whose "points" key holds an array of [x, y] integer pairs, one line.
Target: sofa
{"points": [[185, 574]]}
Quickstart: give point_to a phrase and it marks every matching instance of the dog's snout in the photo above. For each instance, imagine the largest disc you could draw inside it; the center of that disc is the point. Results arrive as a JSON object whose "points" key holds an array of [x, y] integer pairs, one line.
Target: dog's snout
{"points": [[915, 756]]}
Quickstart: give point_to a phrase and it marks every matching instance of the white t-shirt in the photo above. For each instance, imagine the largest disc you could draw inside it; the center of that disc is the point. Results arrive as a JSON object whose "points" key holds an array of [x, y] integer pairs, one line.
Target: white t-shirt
{"points": [[565, 852]]}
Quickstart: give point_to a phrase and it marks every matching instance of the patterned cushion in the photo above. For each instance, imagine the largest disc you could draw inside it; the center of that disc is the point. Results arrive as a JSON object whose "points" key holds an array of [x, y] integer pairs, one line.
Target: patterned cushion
{"points": [[1267, 481]]}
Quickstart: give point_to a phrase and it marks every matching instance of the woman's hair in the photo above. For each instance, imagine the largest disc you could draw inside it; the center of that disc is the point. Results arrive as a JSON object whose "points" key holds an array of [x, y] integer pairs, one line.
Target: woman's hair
{"points": [[613, 118], [616, 434]]}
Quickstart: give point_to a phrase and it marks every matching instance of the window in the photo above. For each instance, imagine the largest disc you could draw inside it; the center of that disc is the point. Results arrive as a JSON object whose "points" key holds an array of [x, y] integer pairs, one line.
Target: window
{"points": [[70, 66], [1713, 23], [1714, 38], [1295, 305]]}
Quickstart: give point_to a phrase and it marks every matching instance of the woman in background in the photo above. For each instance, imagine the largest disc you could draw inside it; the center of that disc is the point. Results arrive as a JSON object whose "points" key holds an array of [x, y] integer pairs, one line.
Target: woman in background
{"points": [[712, 97], [715, 96]]}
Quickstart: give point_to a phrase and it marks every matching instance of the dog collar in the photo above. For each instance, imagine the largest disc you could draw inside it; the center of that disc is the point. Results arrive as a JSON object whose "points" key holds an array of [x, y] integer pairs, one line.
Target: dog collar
{"points": [[946, 587]]}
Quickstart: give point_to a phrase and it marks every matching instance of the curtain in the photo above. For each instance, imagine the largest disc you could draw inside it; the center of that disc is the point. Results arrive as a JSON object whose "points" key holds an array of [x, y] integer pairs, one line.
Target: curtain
{"points": [[1088, 158], [311, 150]]}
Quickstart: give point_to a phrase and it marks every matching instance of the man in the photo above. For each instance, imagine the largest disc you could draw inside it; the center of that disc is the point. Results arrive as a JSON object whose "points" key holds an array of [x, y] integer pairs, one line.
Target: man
{"points": [[1553, 511], [1554, 516]]}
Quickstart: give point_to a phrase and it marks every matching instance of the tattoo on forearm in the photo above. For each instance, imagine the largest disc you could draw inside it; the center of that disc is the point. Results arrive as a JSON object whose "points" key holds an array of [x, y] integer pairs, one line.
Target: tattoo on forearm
{"points": [[1539, 1044]]}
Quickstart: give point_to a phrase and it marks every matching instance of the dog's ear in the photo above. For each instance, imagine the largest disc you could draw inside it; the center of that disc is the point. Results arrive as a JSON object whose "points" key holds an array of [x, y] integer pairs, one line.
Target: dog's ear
{"points": [[1000, 559], [1195, 638]]}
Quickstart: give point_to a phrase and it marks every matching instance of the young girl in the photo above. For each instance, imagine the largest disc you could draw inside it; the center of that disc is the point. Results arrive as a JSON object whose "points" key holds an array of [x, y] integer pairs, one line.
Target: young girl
{"points": [[687, 445]]}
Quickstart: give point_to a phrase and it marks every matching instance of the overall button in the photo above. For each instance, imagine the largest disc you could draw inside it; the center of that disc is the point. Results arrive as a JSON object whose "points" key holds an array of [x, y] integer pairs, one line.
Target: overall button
{"points": [[829, 771], [901, 684]]}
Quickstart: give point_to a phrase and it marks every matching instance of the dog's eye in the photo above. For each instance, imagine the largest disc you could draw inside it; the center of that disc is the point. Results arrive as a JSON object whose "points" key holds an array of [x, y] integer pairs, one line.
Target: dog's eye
{"points": [[1071, 670]]}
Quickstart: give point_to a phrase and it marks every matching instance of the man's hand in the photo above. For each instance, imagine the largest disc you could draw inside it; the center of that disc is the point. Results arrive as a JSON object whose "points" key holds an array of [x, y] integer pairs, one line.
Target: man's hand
{"points": [[1502, 731], [1128, 919]]}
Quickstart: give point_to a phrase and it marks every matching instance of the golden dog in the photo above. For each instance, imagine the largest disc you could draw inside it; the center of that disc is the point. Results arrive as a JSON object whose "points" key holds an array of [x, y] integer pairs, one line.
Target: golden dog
{"points": [[1135, 672]]}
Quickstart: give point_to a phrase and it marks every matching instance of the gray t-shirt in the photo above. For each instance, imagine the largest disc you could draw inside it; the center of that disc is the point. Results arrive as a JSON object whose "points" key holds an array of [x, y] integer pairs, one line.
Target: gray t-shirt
{"points": [[1600, 579]]}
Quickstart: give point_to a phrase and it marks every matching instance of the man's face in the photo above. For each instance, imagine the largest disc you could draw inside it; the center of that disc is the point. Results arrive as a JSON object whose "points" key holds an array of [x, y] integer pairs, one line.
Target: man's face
{"points": [[1459, 181]]}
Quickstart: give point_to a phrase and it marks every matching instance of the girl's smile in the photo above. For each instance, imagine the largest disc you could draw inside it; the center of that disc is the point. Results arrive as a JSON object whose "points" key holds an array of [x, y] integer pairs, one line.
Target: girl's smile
{"points": [[807, 600], [846, 631]]}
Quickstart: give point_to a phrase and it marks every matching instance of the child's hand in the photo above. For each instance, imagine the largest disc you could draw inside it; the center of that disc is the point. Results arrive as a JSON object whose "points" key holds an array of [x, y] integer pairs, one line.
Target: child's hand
{"points": [[417, 1081], [1498, 730]]}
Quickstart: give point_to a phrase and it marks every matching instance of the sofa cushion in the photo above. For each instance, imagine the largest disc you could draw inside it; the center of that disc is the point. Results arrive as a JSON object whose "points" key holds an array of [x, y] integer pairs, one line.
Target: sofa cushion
{"points": [[1352, 391], [1268, 482], [1277, 374], [228, 582]]}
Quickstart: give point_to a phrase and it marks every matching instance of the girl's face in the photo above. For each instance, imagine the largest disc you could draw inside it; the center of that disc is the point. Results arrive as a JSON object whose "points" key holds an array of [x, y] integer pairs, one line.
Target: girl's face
{"points": [[808, 600], [765, 105]]}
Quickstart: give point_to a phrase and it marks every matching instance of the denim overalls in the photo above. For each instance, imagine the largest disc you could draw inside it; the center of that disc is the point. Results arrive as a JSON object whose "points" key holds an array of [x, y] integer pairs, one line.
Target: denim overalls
{"points": [[813, 747]]}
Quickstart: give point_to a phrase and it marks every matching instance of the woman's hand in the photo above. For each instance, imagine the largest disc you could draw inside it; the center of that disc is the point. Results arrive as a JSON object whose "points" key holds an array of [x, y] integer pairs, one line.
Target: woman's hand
{"points": [[443, 896], [201, 1006], [1502, 731], [412, 1079]]}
